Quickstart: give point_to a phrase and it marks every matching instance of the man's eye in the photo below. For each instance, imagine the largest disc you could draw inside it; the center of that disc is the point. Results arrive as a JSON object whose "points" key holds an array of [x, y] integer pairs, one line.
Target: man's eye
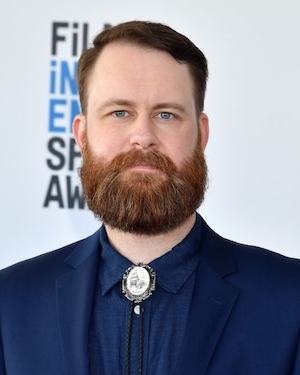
{"points": [[165, 115], [119, 113]]}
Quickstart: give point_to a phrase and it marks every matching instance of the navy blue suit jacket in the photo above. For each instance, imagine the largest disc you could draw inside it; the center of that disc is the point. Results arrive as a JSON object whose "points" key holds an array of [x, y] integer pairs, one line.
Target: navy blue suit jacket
{"points": [[244, 318]]}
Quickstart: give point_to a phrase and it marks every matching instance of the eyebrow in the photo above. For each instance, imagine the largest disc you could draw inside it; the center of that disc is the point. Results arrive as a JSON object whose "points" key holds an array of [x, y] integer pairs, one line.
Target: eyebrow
{"points": [[171, 105], [122, 102], [112, 102]]}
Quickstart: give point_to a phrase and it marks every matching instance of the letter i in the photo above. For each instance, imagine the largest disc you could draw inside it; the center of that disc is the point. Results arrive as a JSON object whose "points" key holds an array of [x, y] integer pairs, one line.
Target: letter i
{"points": [[53, 78]]}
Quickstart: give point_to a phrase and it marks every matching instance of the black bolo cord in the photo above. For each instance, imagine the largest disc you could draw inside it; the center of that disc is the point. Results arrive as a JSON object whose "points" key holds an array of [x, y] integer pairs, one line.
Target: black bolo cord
{"points": [[138, 283], [129, 335], [128, 339], [141, 340]]}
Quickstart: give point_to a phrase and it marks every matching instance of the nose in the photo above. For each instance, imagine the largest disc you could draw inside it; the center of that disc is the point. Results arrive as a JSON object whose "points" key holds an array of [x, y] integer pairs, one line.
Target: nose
{"points": [[143, 134]]}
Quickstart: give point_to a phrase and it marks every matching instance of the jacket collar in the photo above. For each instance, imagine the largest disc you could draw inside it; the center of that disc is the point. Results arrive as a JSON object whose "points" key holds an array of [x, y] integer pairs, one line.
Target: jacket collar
{"points": [[74, 296], [212, 303]]}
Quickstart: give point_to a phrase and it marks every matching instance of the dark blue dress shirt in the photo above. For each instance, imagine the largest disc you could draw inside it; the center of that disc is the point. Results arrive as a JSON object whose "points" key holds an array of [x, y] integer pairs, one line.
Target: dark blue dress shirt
{"points": [[165, 312]]}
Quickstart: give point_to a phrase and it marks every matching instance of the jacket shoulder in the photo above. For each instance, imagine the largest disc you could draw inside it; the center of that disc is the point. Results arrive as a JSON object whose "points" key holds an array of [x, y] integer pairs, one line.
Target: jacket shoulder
{"points": [[48, 266], [247, 258], [48, 260]]}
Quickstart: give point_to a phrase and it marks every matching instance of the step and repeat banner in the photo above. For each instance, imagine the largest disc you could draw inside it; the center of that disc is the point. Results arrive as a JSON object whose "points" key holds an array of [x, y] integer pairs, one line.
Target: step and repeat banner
{"points": [[252, 101]]}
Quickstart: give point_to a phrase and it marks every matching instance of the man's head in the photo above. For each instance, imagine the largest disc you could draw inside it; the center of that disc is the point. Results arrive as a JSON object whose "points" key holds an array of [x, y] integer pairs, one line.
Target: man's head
{"points": [[148, 35], [142, 132]]}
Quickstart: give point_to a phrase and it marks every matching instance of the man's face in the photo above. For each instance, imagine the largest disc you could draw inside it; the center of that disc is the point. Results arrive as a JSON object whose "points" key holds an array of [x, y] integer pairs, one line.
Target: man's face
{"points": [[140, 99], [141, 140]]}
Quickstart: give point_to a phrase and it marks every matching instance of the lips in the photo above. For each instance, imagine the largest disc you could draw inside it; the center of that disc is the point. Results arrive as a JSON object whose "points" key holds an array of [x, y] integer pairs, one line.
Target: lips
{"points": [[136, 160], [143, 168]]}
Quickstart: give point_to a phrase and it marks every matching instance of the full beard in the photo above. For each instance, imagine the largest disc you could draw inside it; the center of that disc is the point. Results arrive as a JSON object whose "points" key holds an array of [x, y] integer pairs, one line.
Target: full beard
{"points": [[141, 202]]}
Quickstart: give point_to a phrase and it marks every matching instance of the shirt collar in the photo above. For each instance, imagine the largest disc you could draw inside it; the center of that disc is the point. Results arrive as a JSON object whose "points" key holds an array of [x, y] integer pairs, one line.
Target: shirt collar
{"points": [[172, 269]]}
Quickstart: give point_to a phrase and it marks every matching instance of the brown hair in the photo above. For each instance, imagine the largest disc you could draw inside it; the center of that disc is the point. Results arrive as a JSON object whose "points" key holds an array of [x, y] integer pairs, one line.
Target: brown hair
{"points": [[149, 35]]}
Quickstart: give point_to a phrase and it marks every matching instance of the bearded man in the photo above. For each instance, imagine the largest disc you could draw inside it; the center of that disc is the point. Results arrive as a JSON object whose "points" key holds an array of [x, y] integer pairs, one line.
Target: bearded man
{"points": [[154, 290]]}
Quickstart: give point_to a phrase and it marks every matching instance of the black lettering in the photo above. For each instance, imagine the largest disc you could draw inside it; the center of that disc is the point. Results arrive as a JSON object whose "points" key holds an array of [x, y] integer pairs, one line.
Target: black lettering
{"points": [[52, 149], [74, 195], [54, 193], [73, 153], [55, 37], [74, 40], [107, 26], [85, 37]]}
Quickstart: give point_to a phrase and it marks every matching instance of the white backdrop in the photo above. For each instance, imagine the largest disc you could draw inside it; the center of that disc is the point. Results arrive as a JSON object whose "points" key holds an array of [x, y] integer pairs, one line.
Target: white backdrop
{"points": [[253, 92]]}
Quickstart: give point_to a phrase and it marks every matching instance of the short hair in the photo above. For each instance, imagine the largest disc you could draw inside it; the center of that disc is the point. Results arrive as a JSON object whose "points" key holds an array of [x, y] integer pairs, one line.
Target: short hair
{"points": [[151, 35]]}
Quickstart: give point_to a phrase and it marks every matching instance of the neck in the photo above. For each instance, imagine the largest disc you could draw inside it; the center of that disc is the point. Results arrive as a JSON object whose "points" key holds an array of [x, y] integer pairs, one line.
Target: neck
{"points": [[143, 248]]}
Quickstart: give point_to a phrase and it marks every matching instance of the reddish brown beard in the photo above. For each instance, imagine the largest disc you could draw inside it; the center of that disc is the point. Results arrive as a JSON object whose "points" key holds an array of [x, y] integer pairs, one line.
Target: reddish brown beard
{"points": [[143, 202]]}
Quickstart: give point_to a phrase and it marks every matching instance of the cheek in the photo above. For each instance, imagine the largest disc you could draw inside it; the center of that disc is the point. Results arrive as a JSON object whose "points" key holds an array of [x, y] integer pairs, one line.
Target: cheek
{"points": [[182, 147], [105, 144]]}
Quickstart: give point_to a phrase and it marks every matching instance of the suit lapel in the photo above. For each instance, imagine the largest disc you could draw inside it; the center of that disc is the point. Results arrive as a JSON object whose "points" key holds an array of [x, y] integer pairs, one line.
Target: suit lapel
{"points": [[74, 293], [212, 303]]}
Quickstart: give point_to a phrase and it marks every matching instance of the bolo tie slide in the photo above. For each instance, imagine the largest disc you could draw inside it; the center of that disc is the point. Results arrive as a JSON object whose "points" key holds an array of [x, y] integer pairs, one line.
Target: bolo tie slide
{"points": [[138, 283]]}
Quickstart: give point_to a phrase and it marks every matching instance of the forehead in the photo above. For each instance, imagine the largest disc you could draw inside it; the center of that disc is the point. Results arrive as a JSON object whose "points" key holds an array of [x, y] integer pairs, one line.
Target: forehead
{"points": [[127, 68]]}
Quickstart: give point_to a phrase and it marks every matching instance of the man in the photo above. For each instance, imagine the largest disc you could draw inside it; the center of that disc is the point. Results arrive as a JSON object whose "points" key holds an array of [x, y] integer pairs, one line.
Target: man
{"points": [[155, 290]]}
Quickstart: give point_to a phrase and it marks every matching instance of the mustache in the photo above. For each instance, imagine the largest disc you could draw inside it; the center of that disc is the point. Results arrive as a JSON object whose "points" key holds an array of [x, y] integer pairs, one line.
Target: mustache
{"points": [[153, 158]]}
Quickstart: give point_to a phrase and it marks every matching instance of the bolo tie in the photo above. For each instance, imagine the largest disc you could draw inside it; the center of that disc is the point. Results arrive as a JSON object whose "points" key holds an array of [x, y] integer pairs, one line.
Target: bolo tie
{"points": [[138, 283]]}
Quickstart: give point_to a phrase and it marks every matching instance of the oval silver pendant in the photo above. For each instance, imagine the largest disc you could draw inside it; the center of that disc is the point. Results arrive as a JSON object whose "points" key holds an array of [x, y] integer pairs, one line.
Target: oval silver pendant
{"points": [[138, 282]]}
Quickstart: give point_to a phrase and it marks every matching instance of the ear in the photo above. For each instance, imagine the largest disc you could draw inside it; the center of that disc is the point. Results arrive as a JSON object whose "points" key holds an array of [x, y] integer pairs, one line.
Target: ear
{"points": [[79, 130], [204, 129]]}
